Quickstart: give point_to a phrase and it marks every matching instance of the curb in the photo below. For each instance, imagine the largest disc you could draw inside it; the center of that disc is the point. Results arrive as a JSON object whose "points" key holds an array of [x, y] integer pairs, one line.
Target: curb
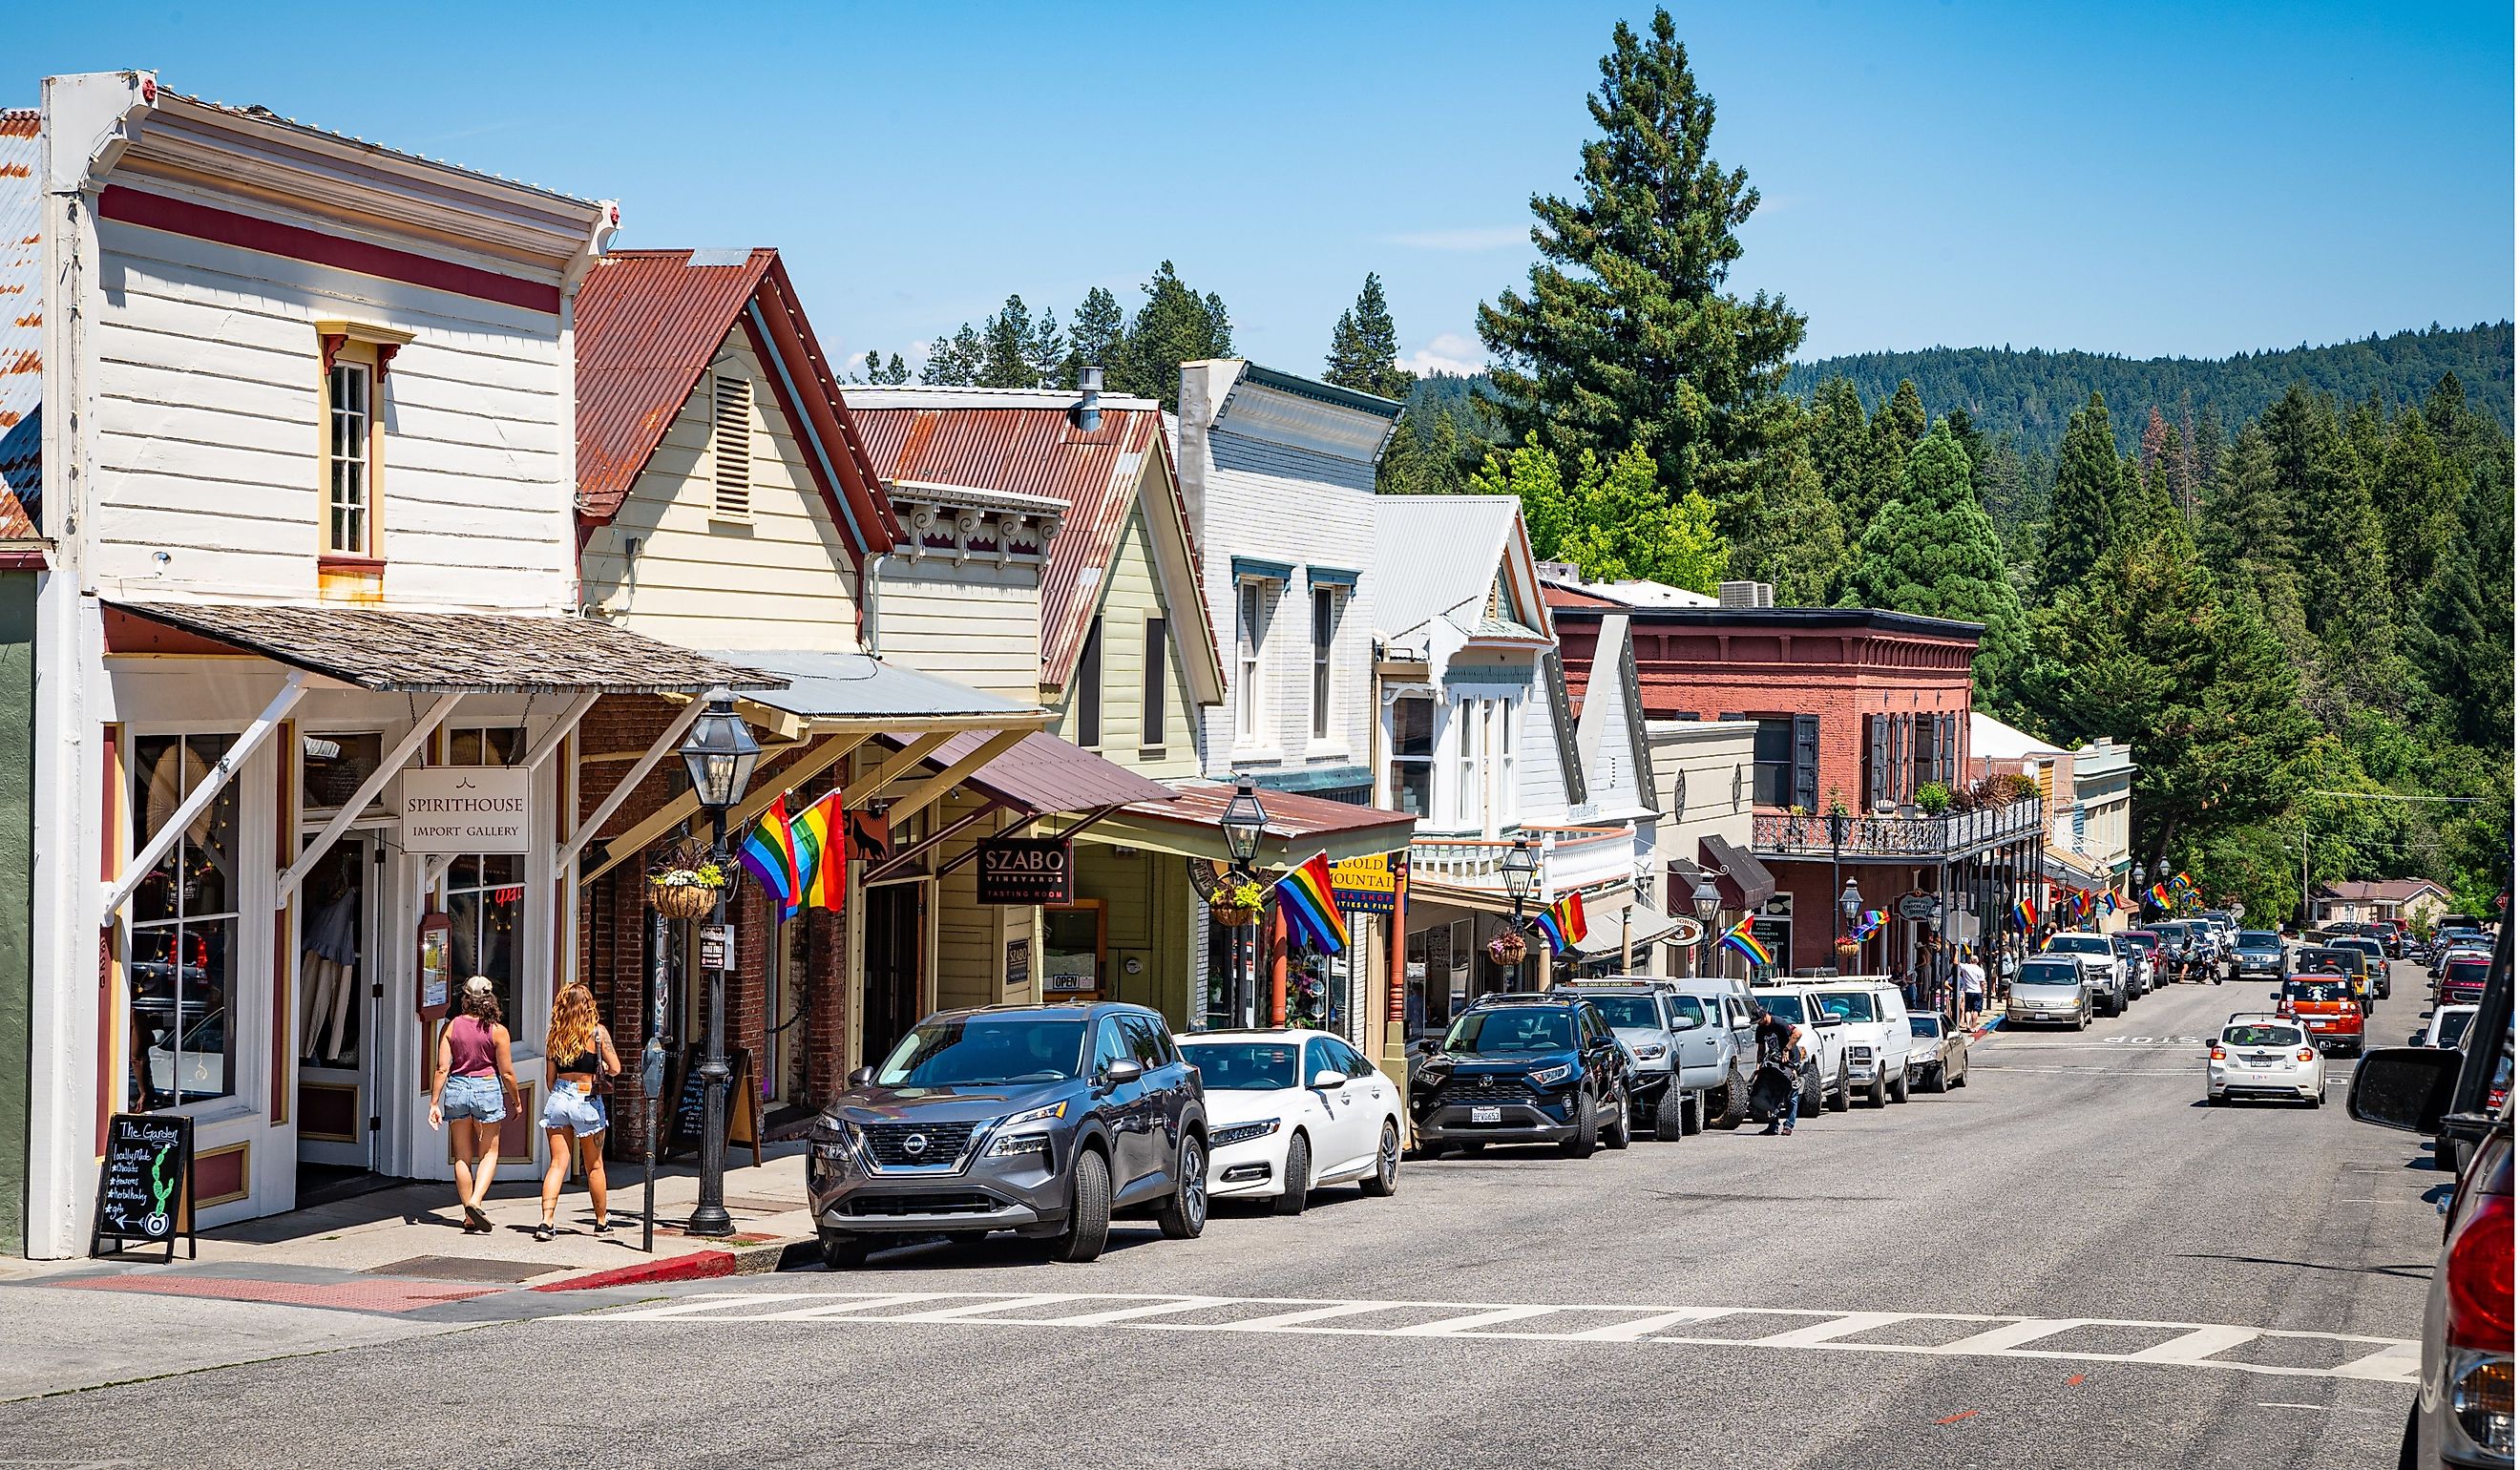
{"points": [[757, 1258]]}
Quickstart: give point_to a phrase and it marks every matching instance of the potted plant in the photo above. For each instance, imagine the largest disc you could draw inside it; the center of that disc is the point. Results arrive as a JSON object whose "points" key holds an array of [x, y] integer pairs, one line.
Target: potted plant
{"points": [[1237, 902], [1933, 799], [685, 884], [1507, 947]]}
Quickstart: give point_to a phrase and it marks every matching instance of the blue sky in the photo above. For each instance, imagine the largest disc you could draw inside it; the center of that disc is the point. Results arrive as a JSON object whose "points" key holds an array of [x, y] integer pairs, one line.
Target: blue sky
{"points": [[2142, 179]]}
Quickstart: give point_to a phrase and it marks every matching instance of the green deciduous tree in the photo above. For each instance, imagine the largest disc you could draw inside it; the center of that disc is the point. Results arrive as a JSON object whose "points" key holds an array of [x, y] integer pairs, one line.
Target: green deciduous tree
{"points": [[1628, 335], [1611, 520], [1932, 551], [1365, 346]]}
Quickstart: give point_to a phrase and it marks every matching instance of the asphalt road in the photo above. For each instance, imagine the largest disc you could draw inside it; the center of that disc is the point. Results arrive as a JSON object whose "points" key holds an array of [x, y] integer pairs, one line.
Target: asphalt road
{"points": [[1852, 1295]]}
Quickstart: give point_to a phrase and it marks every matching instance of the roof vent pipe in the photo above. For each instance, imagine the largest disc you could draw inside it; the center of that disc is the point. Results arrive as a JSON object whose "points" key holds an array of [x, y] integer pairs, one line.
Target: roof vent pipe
{"points": [[1088, 412]]}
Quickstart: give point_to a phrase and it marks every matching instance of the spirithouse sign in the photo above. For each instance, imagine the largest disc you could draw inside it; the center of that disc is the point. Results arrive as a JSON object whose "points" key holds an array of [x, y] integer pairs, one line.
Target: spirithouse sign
{"points": [[466, 808]]}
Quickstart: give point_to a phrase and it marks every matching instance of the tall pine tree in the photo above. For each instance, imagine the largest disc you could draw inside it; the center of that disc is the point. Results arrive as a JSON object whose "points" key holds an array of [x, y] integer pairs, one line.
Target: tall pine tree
{"points": [[1094, 335], [1365, 347], [2088, 484], [1932, 551], [1175, 326]]}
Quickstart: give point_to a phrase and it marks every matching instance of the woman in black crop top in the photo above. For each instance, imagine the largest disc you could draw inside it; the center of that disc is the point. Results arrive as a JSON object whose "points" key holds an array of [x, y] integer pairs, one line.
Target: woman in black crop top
{"points": [[577, 1055]]}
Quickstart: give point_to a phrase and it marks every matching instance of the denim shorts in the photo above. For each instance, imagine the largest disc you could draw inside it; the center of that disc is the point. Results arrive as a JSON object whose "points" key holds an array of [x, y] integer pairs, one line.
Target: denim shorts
{"points": [[572, 1109], [478, 1098]]}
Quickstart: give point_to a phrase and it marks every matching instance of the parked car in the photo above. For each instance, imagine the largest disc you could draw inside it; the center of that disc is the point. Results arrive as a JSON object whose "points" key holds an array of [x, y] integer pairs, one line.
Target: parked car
{"points": [[1686, 1050], [2325, 1006], [2051, 991], [2375, 961], [1723, 1060], [1937, 1053], [1524, 1068], [2449, 1024], [2145, 943], [1291, 1110], [2265, 1056], [1825, 1072], [2462, 1413], [2462, 980], [1872, 1030], [2256, 954], [1046, 1120], [2101, 967]]}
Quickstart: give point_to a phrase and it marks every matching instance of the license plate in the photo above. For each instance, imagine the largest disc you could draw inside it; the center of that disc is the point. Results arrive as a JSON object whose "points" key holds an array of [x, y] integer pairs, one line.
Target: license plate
{"points": [[2262, 1061], [1487, 1115]]}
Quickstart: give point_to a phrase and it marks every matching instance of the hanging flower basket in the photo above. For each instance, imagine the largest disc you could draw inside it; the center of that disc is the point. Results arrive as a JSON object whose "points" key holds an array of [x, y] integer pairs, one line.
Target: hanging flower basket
{"points": [[1233, 915], [1849, 949], [1237, 903], [1507, 949], [683, 886]]}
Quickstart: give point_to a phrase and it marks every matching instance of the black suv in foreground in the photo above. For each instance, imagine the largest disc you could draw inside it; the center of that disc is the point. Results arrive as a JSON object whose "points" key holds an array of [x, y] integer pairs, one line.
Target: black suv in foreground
{"points": [[1045, 1120], [1524, 1069]]}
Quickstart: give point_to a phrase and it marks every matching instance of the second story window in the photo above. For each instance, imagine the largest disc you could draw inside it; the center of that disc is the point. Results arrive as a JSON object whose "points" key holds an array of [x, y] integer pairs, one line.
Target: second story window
{"points": [[1250, 635], [1325, 630], [1150, 693], [730, 445], [349, 458], [1089, 688], [1772, 755], [1413, 756]]}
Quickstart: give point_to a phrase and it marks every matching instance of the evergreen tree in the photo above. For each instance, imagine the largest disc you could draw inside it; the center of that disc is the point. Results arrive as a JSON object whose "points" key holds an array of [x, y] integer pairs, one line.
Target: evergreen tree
{"points": [[2417, 501], [881, 373], [1045, 352], [1903, 418], [1174, 325], [1005, 339], [2461, 635], [1932, 551], [955, 362], [1841, 444], [1365, 347], [1430, 453], [1628, 335], [2244, 530], [1797, 543], [2088, 483], [1094, 335]]}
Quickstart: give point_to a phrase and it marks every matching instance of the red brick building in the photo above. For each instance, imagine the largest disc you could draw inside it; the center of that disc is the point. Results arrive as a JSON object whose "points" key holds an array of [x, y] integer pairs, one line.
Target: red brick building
{"points": [[1858, 712]]}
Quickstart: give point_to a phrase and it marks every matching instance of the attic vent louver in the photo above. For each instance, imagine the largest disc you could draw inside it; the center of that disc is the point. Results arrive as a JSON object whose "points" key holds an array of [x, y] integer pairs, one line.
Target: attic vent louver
{"points": [[731, 439]]}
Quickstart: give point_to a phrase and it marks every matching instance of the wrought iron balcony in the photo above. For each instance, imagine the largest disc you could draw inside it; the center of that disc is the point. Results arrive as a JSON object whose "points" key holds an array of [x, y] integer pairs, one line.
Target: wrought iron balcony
{"points": [[1916, 836]]}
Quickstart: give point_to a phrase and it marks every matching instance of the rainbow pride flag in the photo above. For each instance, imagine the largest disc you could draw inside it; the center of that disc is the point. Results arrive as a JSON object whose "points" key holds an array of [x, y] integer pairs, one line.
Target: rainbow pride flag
{"points": [[770, 854], [1866, 924], [2025, 915], [1311, 913], [822, 867], [1564, 922], [1741, 941], [2109, 901], [2161, 896]]}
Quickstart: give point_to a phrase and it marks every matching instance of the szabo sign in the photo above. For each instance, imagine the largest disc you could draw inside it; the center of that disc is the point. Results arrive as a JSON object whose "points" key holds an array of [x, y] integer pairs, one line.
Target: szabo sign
{"points": [[466, 808], [1026, 871]]}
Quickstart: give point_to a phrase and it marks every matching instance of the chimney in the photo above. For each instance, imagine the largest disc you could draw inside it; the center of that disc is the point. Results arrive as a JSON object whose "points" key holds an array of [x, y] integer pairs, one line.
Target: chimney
{"points": [[1745, 594], [1088, 412]]}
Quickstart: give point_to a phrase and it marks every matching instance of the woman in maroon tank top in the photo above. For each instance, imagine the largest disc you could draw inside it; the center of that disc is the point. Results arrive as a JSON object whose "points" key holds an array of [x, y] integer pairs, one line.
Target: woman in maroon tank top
{"points": [[475, 1079]]}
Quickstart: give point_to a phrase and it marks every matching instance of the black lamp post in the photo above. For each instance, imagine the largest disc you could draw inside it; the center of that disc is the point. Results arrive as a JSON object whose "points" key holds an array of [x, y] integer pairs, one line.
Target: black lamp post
{"points": [[1850, 903], [1522, 876], [1243, 821], [1709, 905], [718, 755]]}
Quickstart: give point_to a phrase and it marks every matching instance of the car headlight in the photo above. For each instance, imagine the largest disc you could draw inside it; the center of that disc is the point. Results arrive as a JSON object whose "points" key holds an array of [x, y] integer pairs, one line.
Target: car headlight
{"points": [[1016, 1144], [1859, 1054], [1550, 1077], [1651, 1052], [1241, 1133]]}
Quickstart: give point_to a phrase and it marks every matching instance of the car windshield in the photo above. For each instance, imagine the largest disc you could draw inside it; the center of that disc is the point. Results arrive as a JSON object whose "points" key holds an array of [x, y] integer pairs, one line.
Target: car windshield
{"points": [[2348, 962], [2260, 938], [1635, 1012], [2322, 962], [1510, 1028], [984, 1051], [1783, 1007], [2317, 990], [2261, 1036], [2454, 1025], [1845, 1005], [1243, 1066], [1925, 1025], [2049, 972], [2078, 944]]}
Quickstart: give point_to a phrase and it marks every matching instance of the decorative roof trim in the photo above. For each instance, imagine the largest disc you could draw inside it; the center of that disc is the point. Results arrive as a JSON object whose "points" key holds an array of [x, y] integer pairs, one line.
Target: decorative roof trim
{"points": [[1329, 576], [1263, 570]]}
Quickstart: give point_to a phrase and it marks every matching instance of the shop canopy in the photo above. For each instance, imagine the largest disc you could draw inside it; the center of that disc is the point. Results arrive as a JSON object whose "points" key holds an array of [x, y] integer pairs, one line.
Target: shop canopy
{"points": [[835, 693], [2072, 869], [1613, 931], [1745, 882], [1298, 826]]}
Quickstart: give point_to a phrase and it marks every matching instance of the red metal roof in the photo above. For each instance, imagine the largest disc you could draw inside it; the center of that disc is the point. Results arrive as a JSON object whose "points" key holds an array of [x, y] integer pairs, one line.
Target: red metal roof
{"points": [[1044, 773], [648, 322]]}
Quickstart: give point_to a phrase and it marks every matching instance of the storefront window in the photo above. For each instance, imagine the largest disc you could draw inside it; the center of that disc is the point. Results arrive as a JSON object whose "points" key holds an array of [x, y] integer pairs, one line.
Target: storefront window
{"points": [[485, 894], [183, 928]]}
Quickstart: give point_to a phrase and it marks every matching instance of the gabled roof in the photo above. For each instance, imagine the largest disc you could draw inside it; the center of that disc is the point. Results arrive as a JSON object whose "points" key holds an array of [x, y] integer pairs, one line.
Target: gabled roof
{"points": [[2381, 890], [1457, 543], [648, 324], [21, 325], [1026, 441]]}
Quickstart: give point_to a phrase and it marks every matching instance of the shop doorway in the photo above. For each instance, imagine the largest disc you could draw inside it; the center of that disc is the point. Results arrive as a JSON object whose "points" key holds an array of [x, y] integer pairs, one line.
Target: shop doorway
{"points": [[338, 1106], [896, 925]]}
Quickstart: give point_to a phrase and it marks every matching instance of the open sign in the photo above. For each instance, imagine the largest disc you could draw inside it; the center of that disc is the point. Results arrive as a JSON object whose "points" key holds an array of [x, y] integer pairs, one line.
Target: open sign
{"points": [[1026, 871]]}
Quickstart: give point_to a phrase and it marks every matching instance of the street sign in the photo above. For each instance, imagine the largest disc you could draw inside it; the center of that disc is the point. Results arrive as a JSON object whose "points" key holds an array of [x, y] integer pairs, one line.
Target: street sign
{"points": [[717, 947], [1026, 871]]}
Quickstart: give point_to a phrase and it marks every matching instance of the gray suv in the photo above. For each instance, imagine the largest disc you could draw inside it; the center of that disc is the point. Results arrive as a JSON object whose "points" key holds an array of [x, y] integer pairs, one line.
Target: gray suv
{"points": [[1045, 1120], [1692, 1044]]}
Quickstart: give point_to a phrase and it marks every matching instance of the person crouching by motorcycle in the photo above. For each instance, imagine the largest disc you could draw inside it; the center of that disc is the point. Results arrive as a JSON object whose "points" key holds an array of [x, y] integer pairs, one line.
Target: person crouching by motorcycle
{"points": [[1782, 1046]]}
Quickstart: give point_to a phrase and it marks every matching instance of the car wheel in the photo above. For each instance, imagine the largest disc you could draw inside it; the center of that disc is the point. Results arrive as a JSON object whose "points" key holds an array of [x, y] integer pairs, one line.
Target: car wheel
{"points": [[1299, 1179], [1185, 1215], [1736, 1101], [1693, 1115], [1933, 1081], [2213, 1099], [1880, 1093], [1384, 1181], [1899, 1084], [1667, 1119], [1845, 1095], [1588, 1129], [1960, 1079], [1811, 1093], [1089, 1209], [1619, 1125], [842, 1251]]}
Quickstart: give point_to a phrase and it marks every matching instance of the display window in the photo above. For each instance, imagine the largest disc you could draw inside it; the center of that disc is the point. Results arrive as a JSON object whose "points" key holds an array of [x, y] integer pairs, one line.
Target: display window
{"points": [[485, 893], [184, 914], [1072, 942]]}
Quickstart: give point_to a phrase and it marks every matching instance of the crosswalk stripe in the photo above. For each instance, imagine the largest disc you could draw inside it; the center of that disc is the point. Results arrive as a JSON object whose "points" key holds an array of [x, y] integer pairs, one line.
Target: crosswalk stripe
{"points": [[978, 1308], [1847, 1326], [840, 1308], [2393, 1363], [2196, 1345], [1498, 1316], [1637, 1327], [2008, 1336], [1284, 1319], [1131, 1313]]}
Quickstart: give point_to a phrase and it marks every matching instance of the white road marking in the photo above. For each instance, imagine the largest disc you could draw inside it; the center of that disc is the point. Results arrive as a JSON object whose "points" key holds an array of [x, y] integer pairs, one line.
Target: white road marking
{"points": [[2183, 1345]]}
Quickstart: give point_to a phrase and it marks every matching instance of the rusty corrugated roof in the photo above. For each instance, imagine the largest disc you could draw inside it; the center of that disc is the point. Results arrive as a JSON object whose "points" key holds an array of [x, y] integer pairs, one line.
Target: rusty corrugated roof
{"points": [[1044, 773], [1026, 440], [21, 325]]}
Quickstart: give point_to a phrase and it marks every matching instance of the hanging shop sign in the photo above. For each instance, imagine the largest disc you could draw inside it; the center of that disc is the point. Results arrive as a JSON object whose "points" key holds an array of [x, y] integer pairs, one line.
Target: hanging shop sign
{"points": [[870, 837], [1026, 871], [1920, 905], [466, 808], [144, 1185], [1370, 884], [717, 947], [1685, 932], [684, 1125]]}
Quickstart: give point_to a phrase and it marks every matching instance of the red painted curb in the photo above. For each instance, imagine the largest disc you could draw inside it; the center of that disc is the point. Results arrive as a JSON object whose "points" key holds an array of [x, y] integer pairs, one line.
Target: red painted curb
{"points": [[694, 1265]]}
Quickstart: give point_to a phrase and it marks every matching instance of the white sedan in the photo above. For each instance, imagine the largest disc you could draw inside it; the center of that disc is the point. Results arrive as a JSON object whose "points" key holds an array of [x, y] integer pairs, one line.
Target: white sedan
{"points": [[2265, 1056], [1291, 1110]]}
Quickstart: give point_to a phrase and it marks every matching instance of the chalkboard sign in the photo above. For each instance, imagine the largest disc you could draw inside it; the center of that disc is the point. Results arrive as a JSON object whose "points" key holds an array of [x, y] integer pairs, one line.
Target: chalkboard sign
{"points": [[144, 1187], [691, 1103]]}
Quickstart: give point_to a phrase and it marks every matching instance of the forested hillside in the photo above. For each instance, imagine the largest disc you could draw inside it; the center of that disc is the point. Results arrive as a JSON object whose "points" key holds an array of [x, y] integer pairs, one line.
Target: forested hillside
{"points": [[2029, 395]]}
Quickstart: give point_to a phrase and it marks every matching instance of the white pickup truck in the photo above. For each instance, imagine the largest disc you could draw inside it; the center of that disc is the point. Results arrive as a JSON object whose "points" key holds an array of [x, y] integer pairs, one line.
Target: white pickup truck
{"points": [[1824, 1075]]}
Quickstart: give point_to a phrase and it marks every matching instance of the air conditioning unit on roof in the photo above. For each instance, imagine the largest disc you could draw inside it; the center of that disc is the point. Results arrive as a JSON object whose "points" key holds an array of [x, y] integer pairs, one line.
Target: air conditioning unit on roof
{"points": [[1745, 594]]}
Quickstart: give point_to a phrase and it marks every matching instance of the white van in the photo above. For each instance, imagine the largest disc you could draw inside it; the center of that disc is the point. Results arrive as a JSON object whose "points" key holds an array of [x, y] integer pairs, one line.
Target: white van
{"points": [[1875, 1014]]}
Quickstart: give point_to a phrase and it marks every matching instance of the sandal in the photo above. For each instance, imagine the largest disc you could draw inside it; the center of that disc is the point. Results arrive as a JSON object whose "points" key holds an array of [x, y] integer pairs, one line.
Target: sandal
{"points": [[474, 1221], [543, 1231]]}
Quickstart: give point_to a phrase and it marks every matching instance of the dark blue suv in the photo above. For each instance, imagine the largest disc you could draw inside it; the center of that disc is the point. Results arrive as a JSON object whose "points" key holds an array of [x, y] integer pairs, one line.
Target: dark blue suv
{"points": [[1524, 1068]]}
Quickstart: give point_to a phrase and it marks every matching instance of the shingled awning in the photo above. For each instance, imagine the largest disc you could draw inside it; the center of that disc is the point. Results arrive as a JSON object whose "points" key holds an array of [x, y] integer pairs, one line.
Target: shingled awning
{"points": [[429, 653]]}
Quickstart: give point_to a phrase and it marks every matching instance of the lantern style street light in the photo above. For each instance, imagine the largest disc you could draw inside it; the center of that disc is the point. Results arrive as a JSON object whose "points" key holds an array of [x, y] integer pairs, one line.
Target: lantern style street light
{"points": [[1850, 902], [719, 754], [1243, 821], [1522, 873], [1709, 905]]}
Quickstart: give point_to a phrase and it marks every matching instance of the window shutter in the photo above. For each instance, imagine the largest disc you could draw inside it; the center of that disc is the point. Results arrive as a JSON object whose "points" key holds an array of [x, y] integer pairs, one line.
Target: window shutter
{"points": [[1807, 762], [1946, 758], [731, 437], [1876, 737]]}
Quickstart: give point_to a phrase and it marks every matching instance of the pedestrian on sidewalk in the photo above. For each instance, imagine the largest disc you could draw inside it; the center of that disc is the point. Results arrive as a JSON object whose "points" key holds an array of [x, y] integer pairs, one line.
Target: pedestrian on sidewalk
{"points": [[577, 1059], [475, 1078], [1972, 987]]}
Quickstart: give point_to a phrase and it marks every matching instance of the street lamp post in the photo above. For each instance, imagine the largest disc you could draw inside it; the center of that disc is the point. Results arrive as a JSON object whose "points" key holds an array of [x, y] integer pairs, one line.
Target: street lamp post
{"points": [[1838, 822], [1243, 821], [1709, 905], [718, 755], [1850, 903], [1522, 876]]}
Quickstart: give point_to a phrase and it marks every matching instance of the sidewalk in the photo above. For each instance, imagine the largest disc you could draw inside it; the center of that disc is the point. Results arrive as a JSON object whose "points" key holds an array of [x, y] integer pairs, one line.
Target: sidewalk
{"points": [[410, 1234]]}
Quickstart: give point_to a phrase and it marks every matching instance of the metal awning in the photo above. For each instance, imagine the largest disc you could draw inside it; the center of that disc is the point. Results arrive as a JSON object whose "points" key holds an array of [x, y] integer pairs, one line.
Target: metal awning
{"points": [[831, 693], [1742, 879], [429, 653], [2074, 870], [1298, 825], [1645, 923], [1042, 773]]}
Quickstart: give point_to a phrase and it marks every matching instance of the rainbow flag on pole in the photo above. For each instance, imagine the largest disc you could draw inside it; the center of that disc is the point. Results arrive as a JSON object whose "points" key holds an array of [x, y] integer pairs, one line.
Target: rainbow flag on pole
{"points": [[2161, 896], [822, 873], [1311, 913], [2025, 915], [1741, 941], [770, 854], [1564, 922], [1866, 925], [2109, 901]]}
